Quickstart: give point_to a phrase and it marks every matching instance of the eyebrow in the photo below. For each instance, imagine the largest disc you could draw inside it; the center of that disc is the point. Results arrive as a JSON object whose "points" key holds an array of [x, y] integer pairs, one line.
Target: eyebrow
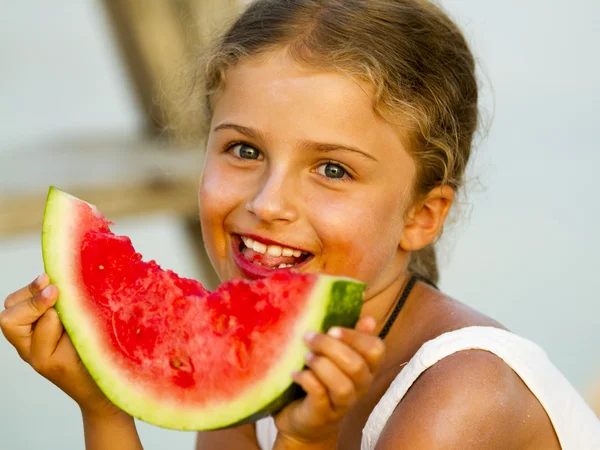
{"points": [[319, 146], [326, 147], [250, 132]]}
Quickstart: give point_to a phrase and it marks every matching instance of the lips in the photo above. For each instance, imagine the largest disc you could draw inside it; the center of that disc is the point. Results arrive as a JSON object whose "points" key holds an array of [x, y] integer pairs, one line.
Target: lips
{"points": [[260, 258]]}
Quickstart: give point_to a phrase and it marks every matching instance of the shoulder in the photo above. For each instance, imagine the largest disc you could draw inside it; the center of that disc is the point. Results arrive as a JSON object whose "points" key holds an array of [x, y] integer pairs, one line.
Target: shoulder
{"points": [[470, 399]]}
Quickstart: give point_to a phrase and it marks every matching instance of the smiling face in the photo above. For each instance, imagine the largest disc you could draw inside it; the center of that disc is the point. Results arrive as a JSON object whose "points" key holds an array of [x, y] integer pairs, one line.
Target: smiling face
{"points": [[298, 162]]}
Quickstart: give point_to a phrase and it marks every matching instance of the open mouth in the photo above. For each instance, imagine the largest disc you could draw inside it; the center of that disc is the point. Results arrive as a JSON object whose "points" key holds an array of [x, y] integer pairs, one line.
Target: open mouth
{"points": [[258, 259]]}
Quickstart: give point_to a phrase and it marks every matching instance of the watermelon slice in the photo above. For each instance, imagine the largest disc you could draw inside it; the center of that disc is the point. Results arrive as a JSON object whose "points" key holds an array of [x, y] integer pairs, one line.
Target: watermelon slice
{"points": [[170, 352]]}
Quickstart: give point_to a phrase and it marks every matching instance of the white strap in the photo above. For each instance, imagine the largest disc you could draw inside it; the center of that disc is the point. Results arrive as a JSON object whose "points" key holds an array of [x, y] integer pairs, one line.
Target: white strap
{"points": [[576, 425], [266, 433]]}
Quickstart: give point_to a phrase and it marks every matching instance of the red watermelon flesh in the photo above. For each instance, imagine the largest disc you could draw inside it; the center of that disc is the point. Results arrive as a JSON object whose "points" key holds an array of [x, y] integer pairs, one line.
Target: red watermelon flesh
{"points": [[165, 349]]}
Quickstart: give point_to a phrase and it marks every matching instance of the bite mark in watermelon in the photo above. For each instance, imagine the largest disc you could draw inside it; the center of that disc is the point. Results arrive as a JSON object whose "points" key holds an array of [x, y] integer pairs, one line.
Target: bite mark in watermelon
{"points": [[168, 351]]}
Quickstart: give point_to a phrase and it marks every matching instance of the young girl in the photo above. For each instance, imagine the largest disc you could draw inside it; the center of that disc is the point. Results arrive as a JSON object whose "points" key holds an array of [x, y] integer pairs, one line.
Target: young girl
{"points": [[342, 128]]}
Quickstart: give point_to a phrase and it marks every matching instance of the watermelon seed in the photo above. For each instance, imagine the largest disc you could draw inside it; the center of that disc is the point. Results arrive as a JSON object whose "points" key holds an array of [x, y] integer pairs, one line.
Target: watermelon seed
{"points": [[101, 267], [175, 363], [137, 331]]}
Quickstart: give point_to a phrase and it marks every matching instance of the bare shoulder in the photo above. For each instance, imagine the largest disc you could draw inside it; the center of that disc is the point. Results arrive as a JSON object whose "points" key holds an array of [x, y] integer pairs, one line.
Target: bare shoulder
{"points": [[469, 400], [445, 313], [242, 437]]}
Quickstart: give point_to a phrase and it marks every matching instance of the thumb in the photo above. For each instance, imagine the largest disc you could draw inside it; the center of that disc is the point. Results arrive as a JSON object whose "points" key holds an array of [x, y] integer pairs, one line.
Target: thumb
{"points": [[33, 308], [17, 321]]}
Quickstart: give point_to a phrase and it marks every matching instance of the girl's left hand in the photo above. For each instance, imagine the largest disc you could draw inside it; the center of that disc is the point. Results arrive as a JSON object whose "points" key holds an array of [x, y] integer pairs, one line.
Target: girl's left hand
{"points": [[341, 368]]}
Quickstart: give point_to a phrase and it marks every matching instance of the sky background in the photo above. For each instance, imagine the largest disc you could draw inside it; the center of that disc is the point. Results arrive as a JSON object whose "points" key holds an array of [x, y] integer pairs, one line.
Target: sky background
{"points": [[523, 248]]}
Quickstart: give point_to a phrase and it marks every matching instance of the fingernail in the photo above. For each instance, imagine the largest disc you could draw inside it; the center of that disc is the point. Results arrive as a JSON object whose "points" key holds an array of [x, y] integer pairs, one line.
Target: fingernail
{"points": [[47, 291], [309, 356], [38, 280], [335, 332], [372, 321], [309, 336]]}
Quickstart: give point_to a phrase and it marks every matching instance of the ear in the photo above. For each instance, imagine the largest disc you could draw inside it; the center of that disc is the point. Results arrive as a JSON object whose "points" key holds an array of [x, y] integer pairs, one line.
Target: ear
{"points": [[426, 219]]}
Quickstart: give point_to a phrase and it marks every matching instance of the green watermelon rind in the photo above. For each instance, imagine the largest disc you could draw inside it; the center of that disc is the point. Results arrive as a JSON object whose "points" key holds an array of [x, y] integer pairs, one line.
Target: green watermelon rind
{"points": [[333, 301], [343, 310]]}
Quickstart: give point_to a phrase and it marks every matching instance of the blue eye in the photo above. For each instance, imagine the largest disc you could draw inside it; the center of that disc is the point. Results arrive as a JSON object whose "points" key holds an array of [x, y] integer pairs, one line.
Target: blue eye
{"points": [[332, 170], [244, 151]]}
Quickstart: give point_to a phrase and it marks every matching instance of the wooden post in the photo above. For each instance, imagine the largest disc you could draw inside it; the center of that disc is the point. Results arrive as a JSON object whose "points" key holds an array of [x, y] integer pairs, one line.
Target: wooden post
{"points": [[158, 38]]}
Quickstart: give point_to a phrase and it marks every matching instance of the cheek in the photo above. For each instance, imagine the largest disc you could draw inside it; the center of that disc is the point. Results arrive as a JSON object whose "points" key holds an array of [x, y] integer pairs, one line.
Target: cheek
{"points": [[360, 235], [217, 198], [218, 193]]}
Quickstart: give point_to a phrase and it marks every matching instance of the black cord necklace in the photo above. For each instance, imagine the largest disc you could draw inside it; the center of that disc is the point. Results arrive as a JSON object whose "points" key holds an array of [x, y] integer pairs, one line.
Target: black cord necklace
{"points": [[398, 307]]}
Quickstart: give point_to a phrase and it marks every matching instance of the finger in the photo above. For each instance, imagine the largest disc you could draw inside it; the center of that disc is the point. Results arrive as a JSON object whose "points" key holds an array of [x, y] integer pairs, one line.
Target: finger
{"points": [[366, 325], [17, 321], [316, 392], [44, 341], [370, 348], [340, 389], [28, 291], [343, 356], [65, 347]]}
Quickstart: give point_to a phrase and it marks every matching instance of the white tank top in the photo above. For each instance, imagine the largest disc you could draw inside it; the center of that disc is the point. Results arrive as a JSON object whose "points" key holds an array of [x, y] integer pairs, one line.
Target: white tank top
{"points": [[575, 424]]}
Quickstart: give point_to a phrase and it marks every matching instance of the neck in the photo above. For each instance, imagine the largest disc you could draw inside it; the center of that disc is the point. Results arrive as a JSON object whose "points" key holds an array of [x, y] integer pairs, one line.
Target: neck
{"points": [[381, 303]]}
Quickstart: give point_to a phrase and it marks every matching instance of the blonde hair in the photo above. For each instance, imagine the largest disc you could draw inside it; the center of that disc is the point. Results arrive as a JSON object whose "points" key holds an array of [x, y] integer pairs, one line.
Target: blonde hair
{"points": [[410, 51]]}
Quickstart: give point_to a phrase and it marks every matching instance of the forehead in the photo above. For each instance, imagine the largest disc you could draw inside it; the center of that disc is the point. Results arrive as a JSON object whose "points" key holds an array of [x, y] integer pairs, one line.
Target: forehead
{"points": [[278, 95]]}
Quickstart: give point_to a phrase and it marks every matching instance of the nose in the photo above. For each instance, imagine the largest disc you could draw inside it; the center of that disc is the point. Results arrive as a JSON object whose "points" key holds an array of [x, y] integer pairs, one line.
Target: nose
{"points": [[274, 198]]}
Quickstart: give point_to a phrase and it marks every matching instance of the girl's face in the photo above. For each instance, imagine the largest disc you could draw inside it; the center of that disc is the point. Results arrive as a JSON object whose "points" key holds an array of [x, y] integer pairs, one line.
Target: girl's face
{"points": [[301, 171]]}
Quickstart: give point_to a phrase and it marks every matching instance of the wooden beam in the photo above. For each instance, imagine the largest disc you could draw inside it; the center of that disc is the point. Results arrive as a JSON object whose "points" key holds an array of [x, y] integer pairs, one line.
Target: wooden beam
{"points": [[152, 43], [24, 213], [122, 176], [157, 39]]}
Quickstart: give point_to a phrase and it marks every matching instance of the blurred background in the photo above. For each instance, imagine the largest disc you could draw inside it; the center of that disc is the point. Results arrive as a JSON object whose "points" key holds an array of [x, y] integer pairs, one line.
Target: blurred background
{"points": [[84, 102]]}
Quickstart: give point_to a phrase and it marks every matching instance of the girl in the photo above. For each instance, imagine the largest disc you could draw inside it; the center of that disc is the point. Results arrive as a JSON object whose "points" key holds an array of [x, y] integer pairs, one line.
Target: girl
{"points": [[342, 128]]}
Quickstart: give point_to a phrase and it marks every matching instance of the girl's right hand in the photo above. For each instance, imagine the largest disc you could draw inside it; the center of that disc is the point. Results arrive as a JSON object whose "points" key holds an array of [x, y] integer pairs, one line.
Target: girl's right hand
{"points": [[32, 326]]}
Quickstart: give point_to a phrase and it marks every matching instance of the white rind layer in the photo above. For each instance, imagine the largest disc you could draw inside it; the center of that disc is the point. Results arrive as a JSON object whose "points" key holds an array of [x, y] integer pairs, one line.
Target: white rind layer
{"points": [[60, 259]]}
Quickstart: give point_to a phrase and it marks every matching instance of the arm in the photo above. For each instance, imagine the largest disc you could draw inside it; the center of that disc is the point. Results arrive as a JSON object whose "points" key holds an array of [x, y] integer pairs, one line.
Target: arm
{"points": [[108, 433], [469, 400], [289, 444], [242, 437], [32, 326], [340, 370]]}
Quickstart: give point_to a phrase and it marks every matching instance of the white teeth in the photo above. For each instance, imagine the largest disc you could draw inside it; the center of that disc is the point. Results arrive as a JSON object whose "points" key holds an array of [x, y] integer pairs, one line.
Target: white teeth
{"points": [[247, 241], [284, 266], [259, 247], [274, 250]]}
